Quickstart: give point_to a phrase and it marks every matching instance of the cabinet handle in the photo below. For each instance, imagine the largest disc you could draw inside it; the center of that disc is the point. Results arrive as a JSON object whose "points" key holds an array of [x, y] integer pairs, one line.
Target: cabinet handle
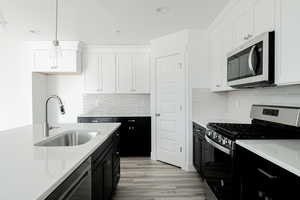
{"points": [[218, 85], [266, 174], [131, 120], [95, 121], [131, 128], [157, 115], [117, 153], [118, 135], [54, 67]]}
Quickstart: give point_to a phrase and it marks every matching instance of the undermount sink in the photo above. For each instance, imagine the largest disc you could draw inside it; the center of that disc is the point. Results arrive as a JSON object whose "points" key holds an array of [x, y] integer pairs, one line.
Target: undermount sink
{"points": [[70, 138]]}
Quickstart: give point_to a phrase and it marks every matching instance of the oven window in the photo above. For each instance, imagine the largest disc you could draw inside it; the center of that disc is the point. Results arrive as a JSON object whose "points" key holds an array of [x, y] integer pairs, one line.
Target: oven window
{"points": [[218, 172]]}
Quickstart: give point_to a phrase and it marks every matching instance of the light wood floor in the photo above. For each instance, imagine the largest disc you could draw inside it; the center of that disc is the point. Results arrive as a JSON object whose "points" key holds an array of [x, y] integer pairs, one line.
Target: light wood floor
{"points": [[143, 179]]}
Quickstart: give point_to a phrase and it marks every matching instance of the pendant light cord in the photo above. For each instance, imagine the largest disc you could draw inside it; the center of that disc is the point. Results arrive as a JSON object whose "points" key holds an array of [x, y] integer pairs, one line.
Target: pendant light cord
{"points": [[56, 20]]}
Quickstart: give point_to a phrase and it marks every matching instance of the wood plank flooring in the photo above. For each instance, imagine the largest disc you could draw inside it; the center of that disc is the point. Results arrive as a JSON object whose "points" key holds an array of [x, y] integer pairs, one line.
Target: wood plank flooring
{"points": [[143, 179]]}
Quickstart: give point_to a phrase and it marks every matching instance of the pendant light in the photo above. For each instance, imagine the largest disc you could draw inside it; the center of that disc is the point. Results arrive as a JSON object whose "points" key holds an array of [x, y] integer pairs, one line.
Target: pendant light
{"points": [[57, 51]]}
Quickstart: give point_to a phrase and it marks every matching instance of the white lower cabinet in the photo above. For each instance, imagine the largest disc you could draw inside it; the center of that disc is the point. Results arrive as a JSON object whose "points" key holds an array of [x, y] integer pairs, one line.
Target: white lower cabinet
{"points": [[115, 72]]}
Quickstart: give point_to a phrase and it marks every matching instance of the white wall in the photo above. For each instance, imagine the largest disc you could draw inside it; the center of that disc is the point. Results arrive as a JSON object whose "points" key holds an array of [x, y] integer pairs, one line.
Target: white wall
{"points": [[70, 89], [198, 58], [15, 84], [39, 94], [239, 102]]}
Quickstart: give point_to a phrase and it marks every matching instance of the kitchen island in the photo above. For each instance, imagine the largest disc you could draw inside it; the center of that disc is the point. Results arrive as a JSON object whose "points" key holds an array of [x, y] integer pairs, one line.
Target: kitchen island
{"points": [[30, 172]]}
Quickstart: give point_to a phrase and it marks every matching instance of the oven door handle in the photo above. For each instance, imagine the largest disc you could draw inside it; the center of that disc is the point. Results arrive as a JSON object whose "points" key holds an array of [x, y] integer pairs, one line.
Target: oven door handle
{"points": [[250, 63], [216, 145]]}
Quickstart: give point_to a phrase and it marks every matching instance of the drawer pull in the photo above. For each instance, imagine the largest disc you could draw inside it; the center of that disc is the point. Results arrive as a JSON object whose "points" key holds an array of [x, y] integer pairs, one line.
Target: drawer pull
{"points": [[95, 121], [266, 174], [131, 120]]}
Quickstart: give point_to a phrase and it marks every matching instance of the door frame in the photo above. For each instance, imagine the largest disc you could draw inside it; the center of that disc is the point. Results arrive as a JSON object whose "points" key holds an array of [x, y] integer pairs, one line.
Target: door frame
{"points": [[186, 145]]}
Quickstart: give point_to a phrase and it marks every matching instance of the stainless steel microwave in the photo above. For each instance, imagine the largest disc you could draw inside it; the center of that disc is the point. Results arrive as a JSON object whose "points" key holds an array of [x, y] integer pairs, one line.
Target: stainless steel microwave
{"points": [[252, 65]]}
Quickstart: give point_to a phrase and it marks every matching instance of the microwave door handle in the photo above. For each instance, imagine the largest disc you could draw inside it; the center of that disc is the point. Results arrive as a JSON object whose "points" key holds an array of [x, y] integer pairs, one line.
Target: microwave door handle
{"points": [[250, 63]]}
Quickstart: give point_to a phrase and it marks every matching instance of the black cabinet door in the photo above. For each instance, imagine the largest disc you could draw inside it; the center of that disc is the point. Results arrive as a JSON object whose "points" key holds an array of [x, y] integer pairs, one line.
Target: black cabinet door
{"points": [[98, 182], [135, 133], [138, 136], [108, 176], [197, 152]]}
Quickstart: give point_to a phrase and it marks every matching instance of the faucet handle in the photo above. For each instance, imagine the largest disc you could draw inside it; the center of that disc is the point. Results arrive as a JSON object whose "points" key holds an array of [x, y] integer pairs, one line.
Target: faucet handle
{"points": [[62, 109]]}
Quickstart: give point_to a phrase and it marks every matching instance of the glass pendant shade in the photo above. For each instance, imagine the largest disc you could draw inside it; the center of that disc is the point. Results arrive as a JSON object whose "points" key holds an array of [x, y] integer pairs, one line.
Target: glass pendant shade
{"points": [[56, 52]]}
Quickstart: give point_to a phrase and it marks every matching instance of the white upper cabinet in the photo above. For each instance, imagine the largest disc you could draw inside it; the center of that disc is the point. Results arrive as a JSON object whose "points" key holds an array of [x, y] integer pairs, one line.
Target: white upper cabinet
{"points": [[264, 16], [43, 59], [114, 70], [256, 17], [91, 72], [221, 43], [243, 27], [289, 44], [243, 20], [215, 61], [141, 73], [107, 73], [125, 73]]}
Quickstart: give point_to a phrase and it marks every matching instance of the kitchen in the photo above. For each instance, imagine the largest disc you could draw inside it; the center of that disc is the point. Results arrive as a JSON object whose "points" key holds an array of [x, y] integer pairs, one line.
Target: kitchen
{"points": [[149, 100]]}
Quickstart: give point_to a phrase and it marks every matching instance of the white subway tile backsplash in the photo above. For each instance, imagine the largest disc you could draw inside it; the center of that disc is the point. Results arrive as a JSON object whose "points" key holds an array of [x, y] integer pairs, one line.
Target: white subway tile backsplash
{"points": [[116, 103]]}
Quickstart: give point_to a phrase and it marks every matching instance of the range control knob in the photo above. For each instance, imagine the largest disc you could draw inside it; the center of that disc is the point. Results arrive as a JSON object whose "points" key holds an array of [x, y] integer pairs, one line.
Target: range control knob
{"points": [[215, 135]]}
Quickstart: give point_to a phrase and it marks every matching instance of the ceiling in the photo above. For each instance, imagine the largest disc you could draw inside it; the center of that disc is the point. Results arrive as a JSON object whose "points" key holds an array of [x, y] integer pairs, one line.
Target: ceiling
{"points": [[98, 21]]}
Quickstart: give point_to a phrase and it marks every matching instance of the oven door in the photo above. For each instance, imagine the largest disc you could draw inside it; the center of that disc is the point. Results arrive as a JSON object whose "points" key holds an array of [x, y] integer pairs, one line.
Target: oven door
{"points": [[218, 170]]}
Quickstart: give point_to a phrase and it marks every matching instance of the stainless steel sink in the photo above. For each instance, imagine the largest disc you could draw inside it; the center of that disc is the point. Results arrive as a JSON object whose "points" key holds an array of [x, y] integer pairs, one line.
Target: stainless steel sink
{"points": [[70, 138]]}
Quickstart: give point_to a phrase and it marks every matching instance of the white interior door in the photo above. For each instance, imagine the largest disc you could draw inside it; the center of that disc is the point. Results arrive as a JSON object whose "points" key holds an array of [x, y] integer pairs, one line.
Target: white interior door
{"points": [[170, 109]]}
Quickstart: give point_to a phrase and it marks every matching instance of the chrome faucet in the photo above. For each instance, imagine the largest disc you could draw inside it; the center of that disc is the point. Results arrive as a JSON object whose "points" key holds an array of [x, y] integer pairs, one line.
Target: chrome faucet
{"points": [[47, 128]]}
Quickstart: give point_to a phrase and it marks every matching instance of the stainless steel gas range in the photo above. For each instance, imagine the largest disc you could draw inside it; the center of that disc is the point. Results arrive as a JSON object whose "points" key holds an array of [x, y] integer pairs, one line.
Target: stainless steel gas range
{"points": [[219, 164]]}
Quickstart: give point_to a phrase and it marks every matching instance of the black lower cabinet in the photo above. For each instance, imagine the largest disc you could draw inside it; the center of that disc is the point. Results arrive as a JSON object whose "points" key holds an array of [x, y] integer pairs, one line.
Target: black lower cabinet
{"points": [[96, 178], [77, 186], [135, 133], [104, 162], [263, 180], [199, 147]]}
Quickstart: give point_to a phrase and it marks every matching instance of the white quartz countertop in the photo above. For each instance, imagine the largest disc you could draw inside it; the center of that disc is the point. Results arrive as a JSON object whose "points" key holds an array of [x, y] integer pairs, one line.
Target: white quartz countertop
{"points": [[284, 153], [29, 172], [116, 115]]}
